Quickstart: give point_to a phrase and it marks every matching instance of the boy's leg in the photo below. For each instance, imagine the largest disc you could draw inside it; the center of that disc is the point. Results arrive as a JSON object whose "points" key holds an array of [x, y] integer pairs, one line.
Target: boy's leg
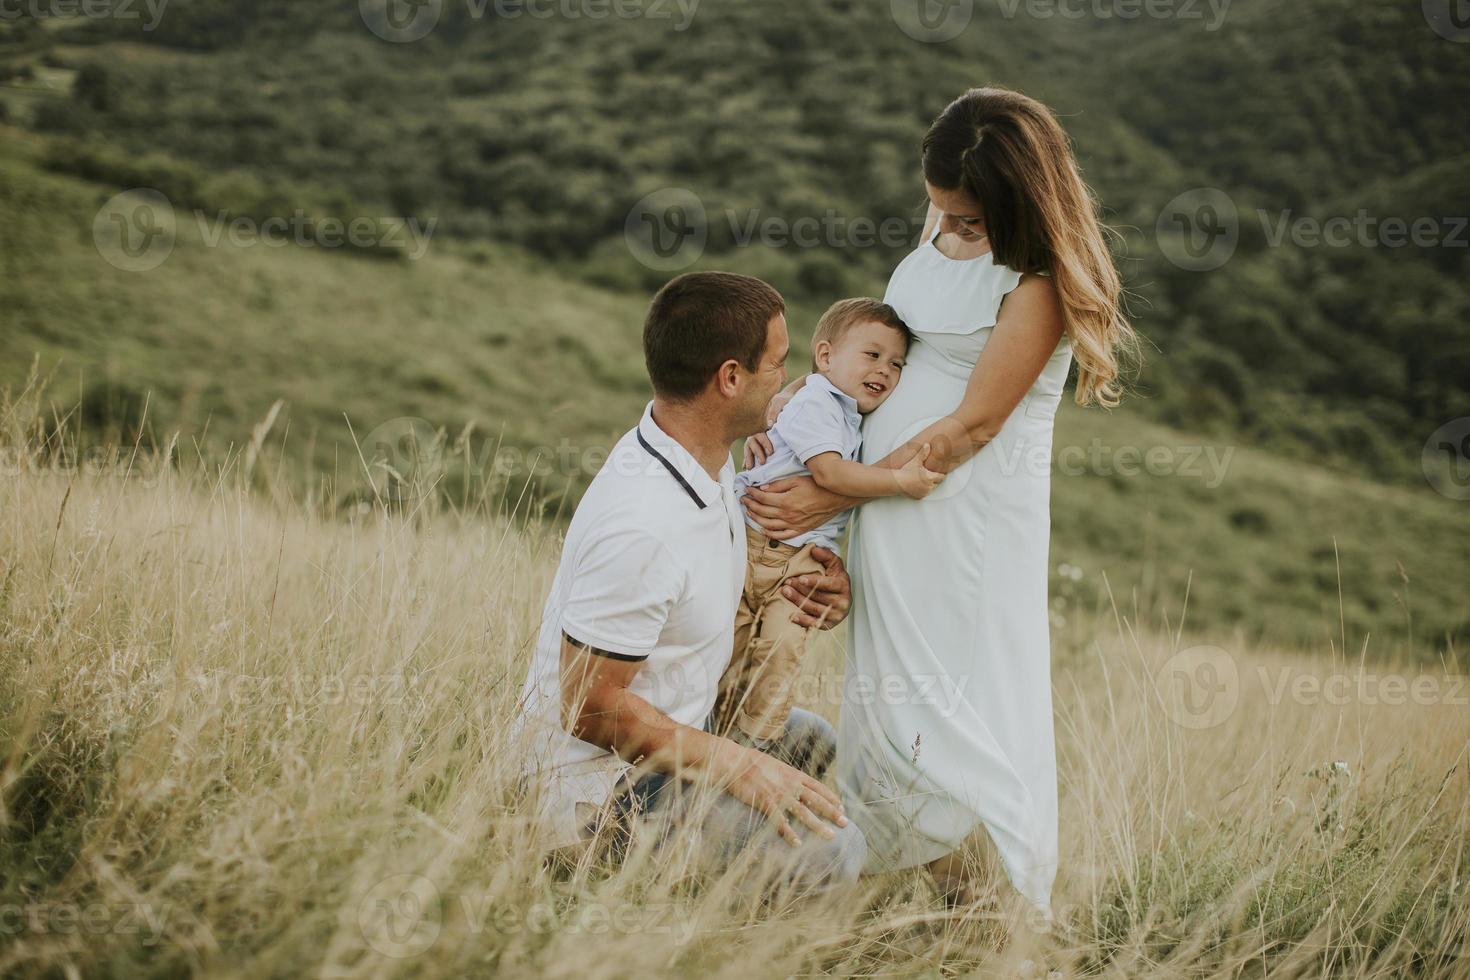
{"points": [[732, 682], [776, 646]]}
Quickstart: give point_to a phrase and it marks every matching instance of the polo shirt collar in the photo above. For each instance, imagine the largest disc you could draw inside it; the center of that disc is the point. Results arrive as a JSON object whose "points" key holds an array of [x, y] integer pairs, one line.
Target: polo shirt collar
{"points": [[849, 403], [695, 478]]}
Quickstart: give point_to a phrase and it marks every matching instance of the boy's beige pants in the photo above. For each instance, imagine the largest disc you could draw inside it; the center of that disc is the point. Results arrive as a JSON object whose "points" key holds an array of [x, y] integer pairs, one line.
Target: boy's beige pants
{"points": [[756, 689]]}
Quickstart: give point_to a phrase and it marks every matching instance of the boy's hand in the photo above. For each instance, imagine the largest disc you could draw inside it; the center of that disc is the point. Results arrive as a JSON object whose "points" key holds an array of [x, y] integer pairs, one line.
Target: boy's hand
{"points": [[773, 410], [758, 449], [917, 480]]}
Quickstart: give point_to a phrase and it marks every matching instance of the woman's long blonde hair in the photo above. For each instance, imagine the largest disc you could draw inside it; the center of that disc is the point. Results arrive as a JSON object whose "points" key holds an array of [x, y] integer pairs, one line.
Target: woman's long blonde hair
{"points": [[1009, 152]]}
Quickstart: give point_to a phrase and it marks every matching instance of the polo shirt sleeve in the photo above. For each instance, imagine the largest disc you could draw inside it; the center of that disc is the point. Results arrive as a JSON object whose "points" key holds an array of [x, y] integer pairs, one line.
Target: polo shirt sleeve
{"points": [[624, 585], [811, 424]]}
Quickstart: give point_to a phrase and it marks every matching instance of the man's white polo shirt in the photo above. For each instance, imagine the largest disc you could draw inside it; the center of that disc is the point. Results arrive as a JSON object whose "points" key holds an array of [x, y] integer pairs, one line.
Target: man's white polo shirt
{"points": [[651, 570]]}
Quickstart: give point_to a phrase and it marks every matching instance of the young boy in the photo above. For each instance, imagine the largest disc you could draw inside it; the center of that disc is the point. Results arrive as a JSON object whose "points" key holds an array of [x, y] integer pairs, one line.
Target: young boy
{"points": [[858, 352]]}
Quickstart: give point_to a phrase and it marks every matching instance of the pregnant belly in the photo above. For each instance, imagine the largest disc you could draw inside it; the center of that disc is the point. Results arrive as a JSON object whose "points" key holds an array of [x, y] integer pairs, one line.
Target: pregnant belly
{"points": [[924, 395], [1012, 471]]}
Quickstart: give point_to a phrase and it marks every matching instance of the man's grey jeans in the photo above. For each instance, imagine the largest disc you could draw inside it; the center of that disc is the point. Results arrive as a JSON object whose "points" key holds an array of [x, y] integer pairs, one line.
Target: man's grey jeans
{"points": [[722, 831]]}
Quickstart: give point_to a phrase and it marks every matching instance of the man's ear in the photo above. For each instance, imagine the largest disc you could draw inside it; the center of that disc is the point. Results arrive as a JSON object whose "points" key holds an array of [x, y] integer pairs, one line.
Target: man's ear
{"points": [[727, 378], [822, 354]]}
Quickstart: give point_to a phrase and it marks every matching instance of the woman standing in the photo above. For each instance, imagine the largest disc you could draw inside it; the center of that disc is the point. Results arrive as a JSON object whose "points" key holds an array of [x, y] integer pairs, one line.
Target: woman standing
{"points": [[946, 721]]}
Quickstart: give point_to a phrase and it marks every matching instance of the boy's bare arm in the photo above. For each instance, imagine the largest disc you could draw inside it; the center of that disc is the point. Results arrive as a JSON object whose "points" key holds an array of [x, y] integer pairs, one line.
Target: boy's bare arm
{"points": [[853, 479]]}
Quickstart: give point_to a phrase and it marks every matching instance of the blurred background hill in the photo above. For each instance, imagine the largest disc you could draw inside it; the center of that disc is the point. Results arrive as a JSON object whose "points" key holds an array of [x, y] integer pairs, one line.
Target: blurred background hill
{"points": [[1291, 388]]}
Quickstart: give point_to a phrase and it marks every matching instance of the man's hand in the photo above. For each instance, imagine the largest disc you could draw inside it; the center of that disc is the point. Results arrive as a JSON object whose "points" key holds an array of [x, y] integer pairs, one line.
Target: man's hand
{"points": [[781, 792], [823, 600], [597, 707], [793, 505], [916, 479]]}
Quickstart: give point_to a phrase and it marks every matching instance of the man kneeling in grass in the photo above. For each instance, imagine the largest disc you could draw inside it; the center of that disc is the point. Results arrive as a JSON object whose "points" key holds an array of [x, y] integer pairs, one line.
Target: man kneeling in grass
{"points": [[638, 627]]}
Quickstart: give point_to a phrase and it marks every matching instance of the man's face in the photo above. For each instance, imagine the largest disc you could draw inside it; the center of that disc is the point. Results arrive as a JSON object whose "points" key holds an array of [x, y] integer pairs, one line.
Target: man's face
{"points": [[762, 384]]}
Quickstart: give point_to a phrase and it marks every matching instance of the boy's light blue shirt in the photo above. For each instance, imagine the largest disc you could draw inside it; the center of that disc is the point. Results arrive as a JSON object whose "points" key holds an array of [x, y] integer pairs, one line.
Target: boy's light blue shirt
{"points": [[818, 419]]}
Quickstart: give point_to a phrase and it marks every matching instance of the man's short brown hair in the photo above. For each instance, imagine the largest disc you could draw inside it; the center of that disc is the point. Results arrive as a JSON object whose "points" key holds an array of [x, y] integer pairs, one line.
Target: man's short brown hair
{"points": [[700, 320], [845, 314]]}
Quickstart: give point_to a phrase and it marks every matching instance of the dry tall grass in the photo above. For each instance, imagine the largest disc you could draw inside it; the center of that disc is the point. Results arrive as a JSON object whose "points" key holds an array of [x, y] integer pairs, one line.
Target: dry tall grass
{"points": [[252, 738]]}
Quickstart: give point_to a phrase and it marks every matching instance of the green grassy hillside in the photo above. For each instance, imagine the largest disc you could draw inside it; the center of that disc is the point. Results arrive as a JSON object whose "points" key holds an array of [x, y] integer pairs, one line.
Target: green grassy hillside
{"points": [[496, 340], [544, 132]]}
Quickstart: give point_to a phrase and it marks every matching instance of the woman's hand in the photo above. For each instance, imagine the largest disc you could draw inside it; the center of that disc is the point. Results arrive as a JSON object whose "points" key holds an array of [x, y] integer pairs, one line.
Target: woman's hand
{"points": [[792, 506], [916, 479]]}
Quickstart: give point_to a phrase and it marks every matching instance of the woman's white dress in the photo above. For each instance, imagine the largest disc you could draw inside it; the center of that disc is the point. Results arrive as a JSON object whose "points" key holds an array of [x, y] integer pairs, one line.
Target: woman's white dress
{"points": [[947, 721]]}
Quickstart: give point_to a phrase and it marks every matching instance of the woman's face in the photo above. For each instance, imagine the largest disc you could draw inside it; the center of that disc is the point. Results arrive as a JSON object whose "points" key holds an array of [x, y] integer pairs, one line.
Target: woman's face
{"points": [[960, 215]]}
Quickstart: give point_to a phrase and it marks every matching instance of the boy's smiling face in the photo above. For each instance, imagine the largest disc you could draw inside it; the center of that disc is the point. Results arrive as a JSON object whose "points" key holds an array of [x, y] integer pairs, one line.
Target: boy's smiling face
{"points": [[864, 362]]}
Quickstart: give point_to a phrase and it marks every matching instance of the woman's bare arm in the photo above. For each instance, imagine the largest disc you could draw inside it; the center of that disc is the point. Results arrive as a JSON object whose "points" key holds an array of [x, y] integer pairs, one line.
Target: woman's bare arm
{"points": [[1026, 335]]}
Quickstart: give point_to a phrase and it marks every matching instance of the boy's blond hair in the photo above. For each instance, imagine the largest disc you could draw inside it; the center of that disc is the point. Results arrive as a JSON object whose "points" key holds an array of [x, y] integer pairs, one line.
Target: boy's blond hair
{"points": [[844, 314]]}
